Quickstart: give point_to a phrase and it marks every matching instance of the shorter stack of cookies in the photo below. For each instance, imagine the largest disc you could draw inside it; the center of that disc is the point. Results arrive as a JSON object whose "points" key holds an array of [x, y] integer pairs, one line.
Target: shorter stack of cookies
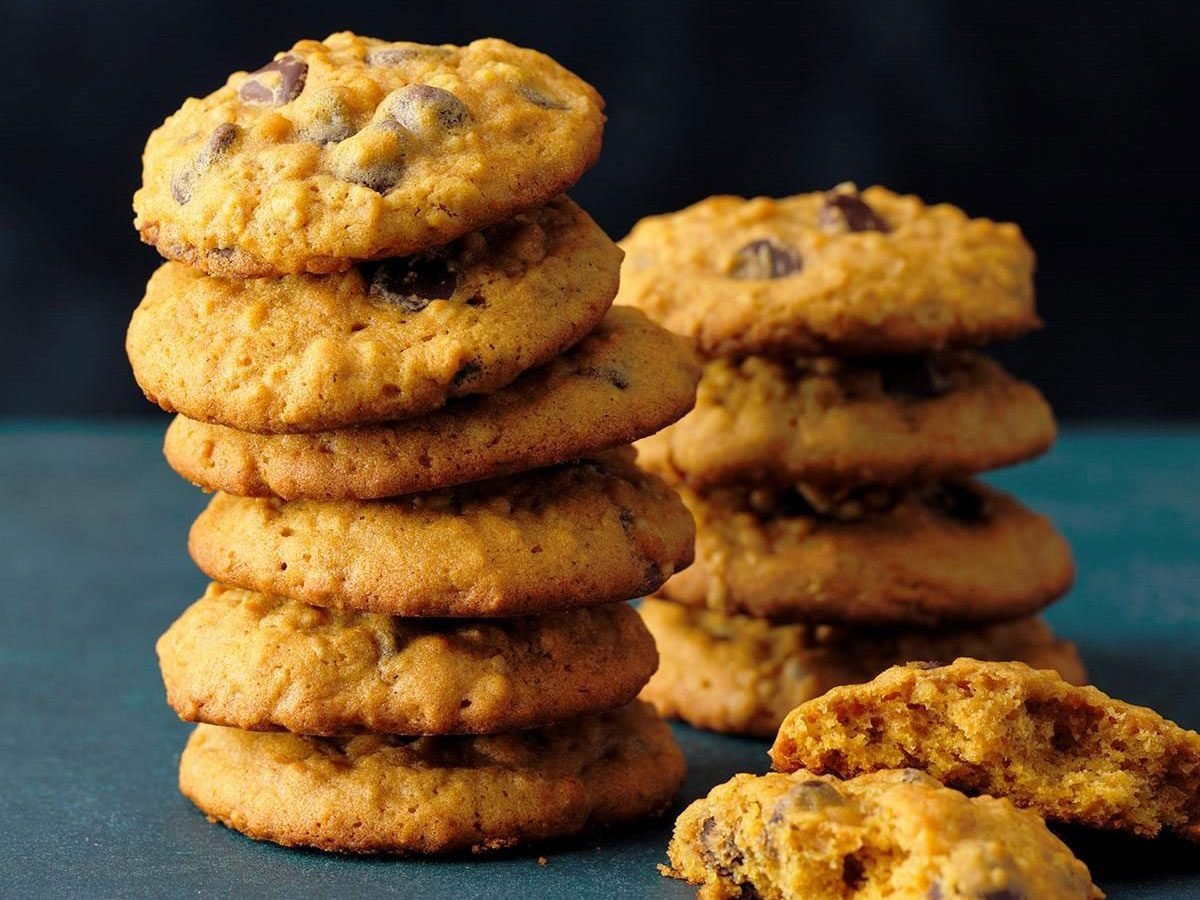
{"points": [[390, 341], [828, 462]]}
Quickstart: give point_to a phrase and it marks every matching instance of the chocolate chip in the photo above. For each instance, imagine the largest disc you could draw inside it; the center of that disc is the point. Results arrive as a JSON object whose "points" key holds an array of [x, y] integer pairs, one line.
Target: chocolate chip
{"points": [[807, 796], [331, 122], [614, 376], [214, 147], [913, 376], [412, 282], [427, 110], [181, 185], [924, 665], [465, 373], [382, 173], [713, 848], [276, 83], [539, 97], [627, 520], [395, 56], [935, 891], [842, 209], [854, 873], [764, 259], [957, 501]]}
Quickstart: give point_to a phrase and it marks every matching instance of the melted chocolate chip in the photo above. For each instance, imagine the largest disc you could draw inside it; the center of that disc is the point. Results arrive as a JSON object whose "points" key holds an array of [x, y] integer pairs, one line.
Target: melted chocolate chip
{"points": [[712, 848], [765, 259], [854, 873], [395, 56], [181, 185], [614, 376], [915, 377], [427, 110], [214, 147], [808, 796], [382, 174], [465, 373], [957, 501], [265, 88], [924, 665], [538, 97], [412, 282], [850, 211]]}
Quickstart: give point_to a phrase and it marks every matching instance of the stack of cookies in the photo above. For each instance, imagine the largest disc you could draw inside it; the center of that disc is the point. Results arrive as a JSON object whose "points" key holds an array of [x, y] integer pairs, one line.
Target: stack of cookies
{"points": [[390, 342], [828, 463]]}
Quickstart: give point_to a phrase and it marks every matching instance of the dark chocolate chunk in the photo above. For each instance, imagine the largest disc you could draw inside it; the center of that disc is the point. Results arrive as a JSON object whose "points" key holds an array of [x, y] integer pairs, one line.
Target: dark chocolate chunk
{"points": [[215, 146], [765, 259], [808, 796], [423, 108], [539, 97], [266, 88], [957, 500], [852, 212], [412, 282], [918, 377]]}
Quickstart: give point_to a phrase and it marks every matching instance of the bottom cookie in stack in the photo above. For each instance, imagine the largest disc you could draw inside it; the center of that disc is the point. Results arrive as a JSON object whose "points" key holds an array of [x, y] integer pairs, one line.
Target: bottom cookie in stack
{"points": [[743, 675]]}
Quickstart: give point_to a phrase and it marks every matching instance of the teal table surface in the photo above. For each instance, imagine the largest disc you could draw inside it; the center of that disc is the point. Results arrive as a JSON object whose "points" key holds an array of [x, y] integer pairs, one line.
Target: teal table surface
{"points": [[92, 530]]}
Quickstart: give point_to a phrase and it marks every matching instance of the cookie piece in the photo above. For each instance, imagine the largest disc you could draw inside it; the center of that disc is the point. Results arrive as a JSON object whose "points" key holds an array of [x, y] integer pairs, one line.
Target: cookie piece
{"points": [[581, 534], [889, 834], [743, 675], [624, 380], [1071, 753], [835, 272], [949, 552], [265, 663], [845, 421], [381, 341], [354, 148], [379, 793]]}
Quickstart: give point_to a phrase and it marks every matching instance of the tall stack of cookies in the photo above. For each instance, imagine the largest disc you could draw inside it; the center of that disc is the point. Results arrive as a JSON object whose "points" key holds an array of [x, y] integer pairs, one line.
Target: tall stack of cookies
{"points": [[389, 339], [828, 462]]}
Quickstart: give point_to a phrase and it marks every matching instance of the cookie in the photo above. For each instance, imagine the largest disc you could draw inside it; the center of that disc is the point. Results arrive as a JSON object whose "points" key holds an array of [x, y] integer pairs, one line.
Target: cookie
{"points": [[837, 272], [948, 552], [895, 834], [265, 663], [353, 148], [378, 793], [624, 380], [742, 675], [580, 534], [1071, 753], [379, 341], [851, 421]]}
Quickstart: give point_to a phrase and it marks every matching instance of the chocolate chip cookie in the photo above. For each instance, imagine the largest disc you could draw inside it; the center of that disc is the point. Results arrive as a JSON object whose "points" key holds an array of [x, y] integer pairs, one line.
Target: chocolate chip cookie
{"points": [[849, 421], [743, 675], [624, 380], [379, 793], [837, 272], [379, 341], [953, 551], [580, 534], [1071, 753], [897, 834], [354, 148], [265, 663]]}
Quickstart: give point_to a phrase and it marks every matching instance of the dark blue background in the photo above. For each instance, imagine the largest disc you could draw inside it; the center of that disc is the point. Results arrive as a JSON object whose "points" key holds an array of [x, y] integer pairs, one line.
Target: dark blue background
{"points": [[1075, 119]]}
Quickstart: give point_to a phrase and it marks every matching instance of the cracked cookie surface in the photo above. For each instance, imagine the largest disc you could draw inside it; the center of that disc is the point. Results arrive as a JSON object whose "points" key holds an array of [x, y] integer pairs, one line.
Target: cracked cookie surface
{"points": [[1071, 753], [354, 148], [380, 341]]}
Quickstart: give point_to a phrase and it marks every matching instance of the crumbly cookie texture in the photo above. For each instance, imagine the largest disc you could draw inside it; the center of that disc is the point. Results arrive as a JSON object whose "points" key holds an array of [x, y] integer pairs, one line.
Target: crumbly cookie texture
{"points": [[378, 793], [263, 663], [1071, 753], [835, 272], [354, 148], [624, 380], [896, 834], [581, 534], [948, 552], [882, 420], [743, 675], [380, 341]]}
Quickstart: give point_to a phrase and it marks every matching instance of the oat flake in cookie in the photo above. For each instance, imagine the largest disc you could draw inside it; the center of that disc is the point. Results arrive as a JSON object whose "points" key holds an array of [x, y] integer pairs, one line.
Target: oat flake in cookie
{"points": [[354, 148], [837, 272]]}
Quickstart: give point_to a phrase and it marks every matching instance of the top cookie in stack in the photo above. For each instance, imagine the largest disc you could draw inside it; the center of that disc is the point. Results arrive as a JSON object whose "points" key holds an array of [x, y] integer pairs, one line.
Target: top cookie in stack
{"points": [[840, 415], [389, 338]]}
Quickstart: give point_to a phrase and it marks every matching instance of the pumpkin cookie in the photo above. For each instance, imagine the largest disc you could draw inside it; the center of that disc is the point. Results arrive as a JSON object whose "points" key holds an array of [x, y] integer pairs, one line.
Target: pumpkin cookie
{"points": [[743, 675], [624, 380], [380, 341], [265, 663], [948, 552], [354, 148], [837, 272], [851, 421], [895, 834], [581, 534], [1071, 753], [377, 793]]}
